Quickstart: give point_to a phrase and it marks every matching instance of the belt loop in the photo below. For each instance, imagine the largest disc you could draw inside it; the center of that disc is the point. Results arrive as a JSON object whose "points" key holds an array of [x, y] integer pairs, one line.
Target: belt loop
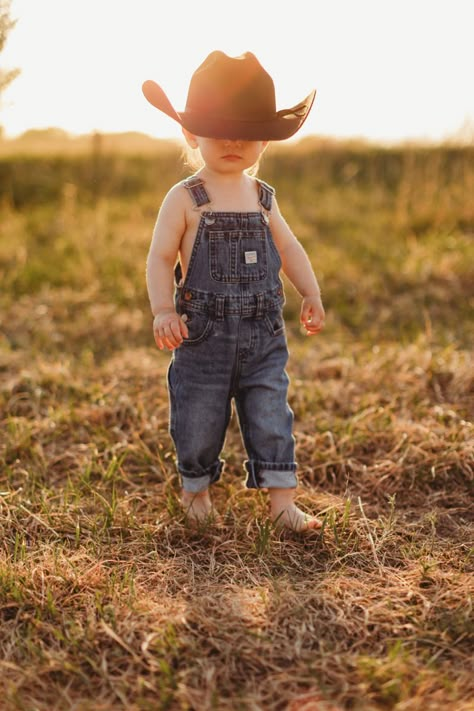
{"points": [[260, 305], [220, 303]]}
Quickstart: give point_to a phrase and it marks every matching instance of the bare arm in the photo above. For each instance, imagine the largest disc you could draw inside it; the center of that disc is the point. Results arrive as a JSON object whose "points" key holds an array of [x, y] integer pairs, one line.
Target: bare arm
{"points": [[297, 267], [169, 329]]}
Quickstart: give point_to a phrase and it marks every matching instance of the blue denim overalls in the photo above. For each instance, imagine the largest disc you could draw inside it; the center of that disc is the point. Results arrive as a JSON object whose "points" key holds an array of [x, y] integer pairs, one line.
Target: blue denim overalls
{"points": [[233, 298]]}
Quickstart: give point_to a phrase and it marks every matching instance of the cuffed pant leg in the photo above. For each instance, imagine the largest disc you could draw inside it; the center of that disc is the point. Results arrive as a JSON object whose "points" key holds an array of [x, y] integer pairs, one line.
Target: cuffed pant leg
{"points": [[198, 424], [195, 482], [266, 475], [266, 423]]}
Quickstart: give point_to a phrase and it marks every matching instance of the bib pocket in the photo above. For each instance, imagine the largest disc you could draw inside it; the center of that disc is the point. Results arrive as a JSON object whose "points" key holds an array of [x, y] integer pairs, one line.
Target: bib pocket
{"points": [[238, 256]]}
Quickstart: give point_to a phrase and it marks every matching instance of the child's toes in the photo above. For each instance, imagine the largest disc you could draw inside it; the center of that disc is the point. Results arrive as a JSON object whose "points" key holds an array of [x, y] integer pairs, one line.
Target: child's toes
{"points": [[312, 523]]}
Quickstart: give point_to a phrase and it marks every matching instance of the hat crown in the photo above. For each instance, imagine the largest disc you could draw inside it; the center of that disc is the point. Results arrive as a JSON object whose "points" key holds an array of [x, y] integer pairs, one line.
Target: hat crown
{"points": [[232, 97], [232, 87]]}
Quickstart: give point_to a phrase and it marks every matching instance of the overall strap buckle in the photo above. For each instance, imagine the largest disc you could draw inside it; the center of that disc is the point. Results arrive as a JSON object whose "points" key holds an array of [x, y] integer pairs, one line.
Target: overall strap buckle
{"points": [[265, 195], [198, 193]]}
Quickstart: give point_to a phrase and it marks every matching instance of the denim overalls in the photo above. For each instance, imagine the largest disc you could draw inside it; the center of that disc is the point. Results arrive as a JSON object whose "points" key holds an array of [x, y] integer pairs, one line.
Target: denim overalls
{"points": [[233, 298]]}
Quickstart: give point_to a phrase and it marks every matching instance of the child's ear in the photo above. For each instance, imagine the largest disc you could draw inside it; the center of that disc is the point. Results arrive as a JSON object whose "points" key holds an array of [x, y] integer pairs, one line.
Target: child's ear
{"points": [[191, 139]]}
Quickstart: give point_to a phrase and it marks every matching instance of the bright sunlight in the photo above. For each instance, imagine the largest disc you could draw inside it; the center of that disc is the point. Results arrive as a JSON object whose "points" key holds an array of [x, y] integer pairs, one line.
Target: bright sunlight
{"points": [[385, 71]]}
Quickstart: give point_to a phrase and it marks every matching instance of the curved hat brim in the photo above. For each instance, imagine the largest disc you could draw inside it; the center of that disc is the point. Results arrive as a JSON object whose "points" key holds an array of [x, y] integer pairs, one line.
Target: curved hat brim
{"points": [[157, 97], [283, 124]]}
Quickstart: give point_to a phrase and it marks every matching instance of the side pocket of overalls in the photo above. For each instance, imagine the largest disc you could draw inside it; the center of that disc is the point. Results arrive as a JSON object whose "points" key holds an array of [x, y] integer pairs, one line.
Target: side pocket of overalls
{"points": [[275, 323], [199, 327]]}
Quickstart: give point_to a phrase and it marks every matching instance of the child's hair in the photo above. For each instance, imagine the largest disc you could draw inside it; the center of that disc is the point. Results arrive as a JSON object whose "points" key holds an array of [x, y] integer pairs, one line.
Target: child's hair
{"points": [[192, 159]]}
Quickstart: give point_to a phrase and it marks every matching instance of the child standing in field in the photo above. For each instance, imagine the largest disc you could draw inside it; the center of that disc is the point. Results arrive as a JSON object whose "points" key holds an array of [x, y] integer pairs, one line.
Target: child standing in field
{"points": [[213, 281]]}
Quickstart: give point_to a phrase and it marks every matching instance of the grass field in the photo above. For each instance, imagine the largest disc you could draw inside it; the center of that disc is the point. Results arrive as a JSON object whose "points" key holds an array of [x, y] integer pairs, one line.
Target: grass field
{"points": [[109, 599]]}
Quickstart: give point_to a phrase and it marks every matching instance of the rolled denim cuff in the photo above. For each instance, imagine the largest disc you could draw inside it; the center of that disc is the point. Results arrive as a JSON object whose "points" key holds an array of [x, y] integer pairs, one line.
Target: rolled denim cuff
{"points": [[278, 480], [200, 481], [268, 475]]}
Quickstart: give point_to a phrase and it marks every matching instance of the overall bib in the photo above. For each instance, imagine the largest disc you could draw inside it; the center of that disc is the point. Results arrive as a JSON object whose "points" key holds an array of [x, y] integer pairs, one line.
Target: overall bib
{"points": [[233, 297]]}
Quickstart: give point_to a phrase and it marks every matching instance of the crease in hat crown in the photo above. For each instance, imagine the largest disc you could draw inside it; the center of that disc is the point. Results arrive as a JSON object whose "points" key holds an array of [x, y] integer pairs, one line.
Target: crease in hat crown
{"points": [[232, 97]]}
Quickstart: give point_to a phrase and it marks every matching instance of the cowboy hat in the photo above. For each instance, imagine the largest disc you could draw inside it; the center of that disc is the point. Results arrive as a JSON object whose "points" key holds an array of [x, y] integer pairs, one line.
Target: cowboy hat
{"points": [[232, 97]]}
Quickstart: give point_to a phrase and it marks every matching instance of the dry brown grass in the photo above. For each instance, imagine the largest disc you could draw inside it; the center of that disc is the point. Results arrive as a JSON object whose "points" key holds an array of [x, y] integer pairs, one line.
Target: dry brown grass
{"points": [[110, 600]]}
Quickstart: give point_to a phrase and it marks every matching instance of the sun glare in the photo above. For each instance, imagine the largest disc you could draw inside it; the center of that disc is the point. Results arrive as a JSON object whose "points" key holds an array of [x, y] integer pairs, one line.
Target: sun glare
{"points": [[377, 70]]}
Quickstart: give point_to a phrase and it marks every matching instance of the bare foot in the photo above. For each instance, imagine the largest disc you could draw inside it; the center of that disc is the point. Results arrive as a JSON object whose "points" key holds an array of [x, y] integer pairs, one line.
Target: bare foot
{"points": [[292, 517], [198, 506], [286, 514]]}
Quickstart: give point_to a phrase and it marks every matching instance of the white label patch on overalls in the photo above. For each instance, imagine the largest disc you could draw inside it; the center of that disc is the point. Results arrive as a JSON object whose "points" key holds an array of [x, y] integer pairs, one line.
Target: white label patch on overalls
{"points": [[250, 257]]}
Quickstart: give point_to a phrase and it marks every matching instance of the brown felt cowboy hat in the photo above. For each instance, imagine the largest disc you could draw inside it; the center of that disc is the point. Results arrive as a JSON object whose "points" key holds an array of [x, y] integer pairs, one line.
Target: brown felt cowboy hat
{"points": [[232, 97]]}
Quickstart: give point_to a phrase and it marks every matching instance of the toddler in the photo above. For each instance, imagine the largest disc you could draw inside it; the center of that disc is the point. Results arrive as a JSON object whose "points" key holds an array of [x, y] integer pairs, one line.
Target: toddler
{"points": [[213, 279]]}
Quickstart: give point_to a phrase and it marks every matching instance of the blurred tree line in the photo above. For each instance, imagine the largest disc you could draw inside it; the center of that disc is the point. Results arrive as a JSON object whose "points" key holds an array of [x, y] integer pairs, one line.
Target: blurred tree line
{"points": [[100, 172], [6, 24]]}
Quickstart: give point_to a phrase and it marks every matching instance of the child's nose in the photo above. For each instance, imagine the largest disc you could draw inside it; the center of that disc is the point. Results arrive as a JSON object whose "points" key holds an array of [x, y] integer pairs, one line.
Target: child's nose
{"points": [[233, 142]]}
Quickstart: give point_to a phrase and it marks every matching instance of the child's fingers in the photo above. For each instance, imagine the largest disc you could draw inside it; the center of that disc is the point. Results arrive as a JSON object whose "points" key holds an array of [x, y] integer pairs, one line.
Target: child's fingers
{"points": [[311, 330], [171, 344], [162, 342], [312, 322], [183, 327], [169, 330], [173, 332], [158, 341], [305, 314], [312, 316], [164, 338]]}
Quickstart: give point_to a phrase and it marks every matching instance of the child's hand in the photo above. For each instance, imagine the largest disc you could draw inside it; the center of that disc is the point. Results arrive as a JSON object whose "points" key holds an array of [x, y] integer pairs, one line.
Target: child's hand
{"points": [[312, 314], [169, 329]]}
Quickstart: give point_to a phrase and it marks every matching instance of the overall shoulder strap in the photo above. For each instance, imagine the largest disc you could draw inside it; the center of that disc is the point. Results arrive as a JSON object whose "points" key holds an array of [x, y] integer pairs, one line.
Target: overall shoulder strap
{"points": [[197, 190], [265, 194]]}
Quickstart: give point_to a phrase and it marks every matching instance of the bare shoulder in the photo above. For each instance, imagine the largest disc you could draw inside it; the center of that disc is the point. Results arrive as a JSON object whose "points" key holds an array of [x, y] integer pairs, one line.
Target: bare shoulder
{"points": [[276, 218], [175, 199], [171, 222], [173, 210]]}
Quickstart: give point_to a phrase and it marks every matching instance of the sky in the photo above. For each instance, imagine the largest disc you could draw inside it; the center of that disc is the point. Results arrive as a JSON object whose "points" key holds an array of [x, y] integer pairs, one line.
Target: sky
{"points": [[385, 70]]}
